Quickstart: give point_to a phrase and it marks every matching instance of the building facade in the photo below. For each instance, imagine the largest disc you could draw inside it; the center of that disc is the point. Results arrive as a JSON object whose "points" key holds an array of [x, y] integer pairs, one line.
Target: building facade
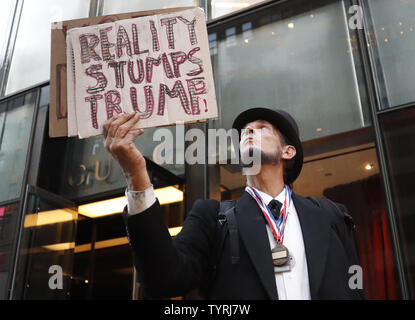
{"points": [[343, 69]]}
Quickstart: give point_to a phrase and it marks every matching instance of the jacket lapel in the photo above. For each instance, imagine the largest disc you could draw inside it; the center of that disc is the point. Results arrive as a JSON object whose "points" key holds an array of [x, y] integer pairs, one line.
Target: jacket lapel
{"points": [[253, 233], [315, 229]]}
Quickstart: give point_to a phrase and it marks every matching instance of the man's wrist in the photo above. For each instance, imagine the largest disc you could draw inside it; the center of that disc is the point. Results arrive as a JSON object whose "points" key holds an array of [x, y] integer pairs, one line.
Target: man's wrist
{"points": [[138, 181]]}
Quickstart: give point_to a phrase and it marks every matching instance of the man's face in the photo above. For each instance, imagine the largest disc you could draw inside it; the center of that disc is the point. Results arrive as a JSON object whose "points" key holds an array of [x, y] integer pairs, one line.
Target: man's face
{"points": [[262, 135]]}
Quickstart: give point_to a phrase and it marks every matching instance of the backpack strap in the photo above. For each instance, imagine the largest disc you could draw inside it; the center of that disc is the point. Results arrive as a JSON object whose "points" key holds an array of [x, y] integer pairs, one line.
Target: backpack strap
{"points": [[229, 215], [226, 221]]}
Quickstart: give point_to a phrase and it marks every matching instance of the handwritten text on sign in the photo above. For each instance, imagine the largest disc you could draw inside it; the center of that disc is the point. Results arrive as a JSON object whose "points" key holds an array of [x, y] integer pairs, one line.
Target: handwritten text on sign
{"points": [[156, 65]]}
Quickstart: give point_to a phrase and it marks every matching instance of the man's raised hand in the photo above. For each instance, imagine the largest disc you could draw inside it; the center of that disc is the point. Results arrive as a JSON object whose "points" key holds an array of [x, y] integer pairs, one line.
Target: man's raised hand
{"points": [[119, 135]]}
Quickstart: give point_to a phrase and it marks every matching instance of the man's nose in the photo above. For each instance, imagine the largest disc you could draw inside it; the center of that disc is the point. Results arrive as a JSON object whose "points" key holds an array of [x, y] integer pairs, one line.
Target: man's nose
{"points": [[249, 130]]}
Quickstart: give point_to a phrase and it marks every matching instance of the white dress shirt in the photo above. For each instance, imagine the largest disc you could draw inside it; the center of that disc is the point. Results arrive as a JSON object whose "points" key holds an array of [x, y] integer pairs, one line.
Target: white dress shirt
{"points": [[291, 285]]}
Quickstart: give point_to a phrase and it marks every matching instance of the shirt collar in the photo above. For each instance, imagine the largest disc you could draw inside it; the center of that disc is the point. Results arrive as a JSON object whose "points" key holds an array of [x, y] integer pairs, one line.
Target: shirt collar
{"points": [[267, 198]]}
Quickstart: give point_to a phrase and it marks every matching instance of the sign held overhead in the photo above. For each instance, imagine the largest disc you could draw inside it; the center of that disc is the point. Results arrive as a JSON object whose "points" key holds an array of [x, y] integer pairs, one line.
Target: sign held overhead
{"points": [[158, 65]]}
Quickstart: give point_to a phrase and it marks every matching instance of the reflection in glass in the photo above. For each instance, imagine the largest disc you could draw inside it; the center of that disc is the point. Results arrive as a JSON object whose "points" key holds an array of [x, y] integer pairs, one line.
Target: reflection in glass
{"points": [[116, 6], [92, 170], [16, 117], [400, 152], [8, 220], [302, 62], [47, 245], [31, 57], [15, 124], [6, 16], [391, 42], [223, 7]]}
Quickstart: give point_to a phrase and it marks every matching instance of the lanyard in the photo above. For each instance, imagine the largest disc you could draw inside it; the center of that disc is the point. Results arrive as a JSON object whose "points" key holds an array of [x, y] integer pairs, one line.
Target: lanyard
{"points": [[277, 226]]}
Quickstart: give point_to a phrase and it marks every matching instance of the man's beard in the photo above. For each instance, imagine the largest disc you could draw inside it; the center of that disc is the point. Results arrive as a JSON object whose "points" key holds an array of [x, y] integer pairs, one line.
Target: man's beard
{"points": [[271, 158], [266, 157]]}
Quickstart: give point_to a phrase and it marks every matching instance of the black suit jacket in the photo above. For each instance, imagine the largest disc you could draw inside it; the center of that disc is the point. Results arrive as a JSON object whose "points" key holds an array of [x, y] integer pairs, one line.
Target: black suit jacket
{"points": [[172, 267]]}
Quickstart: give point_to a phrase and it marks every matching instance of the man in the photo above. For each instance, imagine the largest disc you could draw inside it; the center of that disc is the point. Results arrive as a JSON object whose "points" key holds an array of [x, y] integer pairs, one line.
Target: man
{"points": [[290, 249]]}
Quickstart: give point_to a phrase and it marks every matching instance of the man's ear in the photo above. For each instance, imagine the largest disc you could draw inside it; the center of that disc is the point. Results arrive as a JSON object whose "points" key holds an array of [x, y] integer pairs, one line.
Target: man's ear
{"points": [[288, 152]]}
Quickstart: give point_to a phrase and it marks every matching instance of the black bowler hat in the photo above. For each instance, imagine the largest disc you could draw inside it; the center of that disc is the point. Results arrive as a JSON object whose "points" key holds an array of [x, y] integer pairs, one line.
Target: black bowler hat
{"points": [[285, 124]]}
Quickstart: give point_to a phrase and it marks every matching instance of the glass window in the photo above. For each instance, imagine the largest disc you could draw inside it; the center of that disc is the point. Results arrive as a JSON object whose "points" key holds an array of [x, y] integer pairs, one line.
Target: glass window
{"points": [[6, 16], [105, 277], [298, 58], [8, 220], [89, 168], [399, 128], [116, 6], [391, 40], [31, 57], [47, 242], [223, 7], [16, 117]]}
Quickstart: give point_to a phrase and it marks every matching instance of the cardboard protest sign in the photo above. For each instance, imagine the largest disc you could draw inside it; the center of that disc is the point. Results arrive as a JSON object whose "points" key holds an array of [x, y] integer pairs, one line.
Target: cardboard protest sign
{"points": [[58, 86], [157, 65]]}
